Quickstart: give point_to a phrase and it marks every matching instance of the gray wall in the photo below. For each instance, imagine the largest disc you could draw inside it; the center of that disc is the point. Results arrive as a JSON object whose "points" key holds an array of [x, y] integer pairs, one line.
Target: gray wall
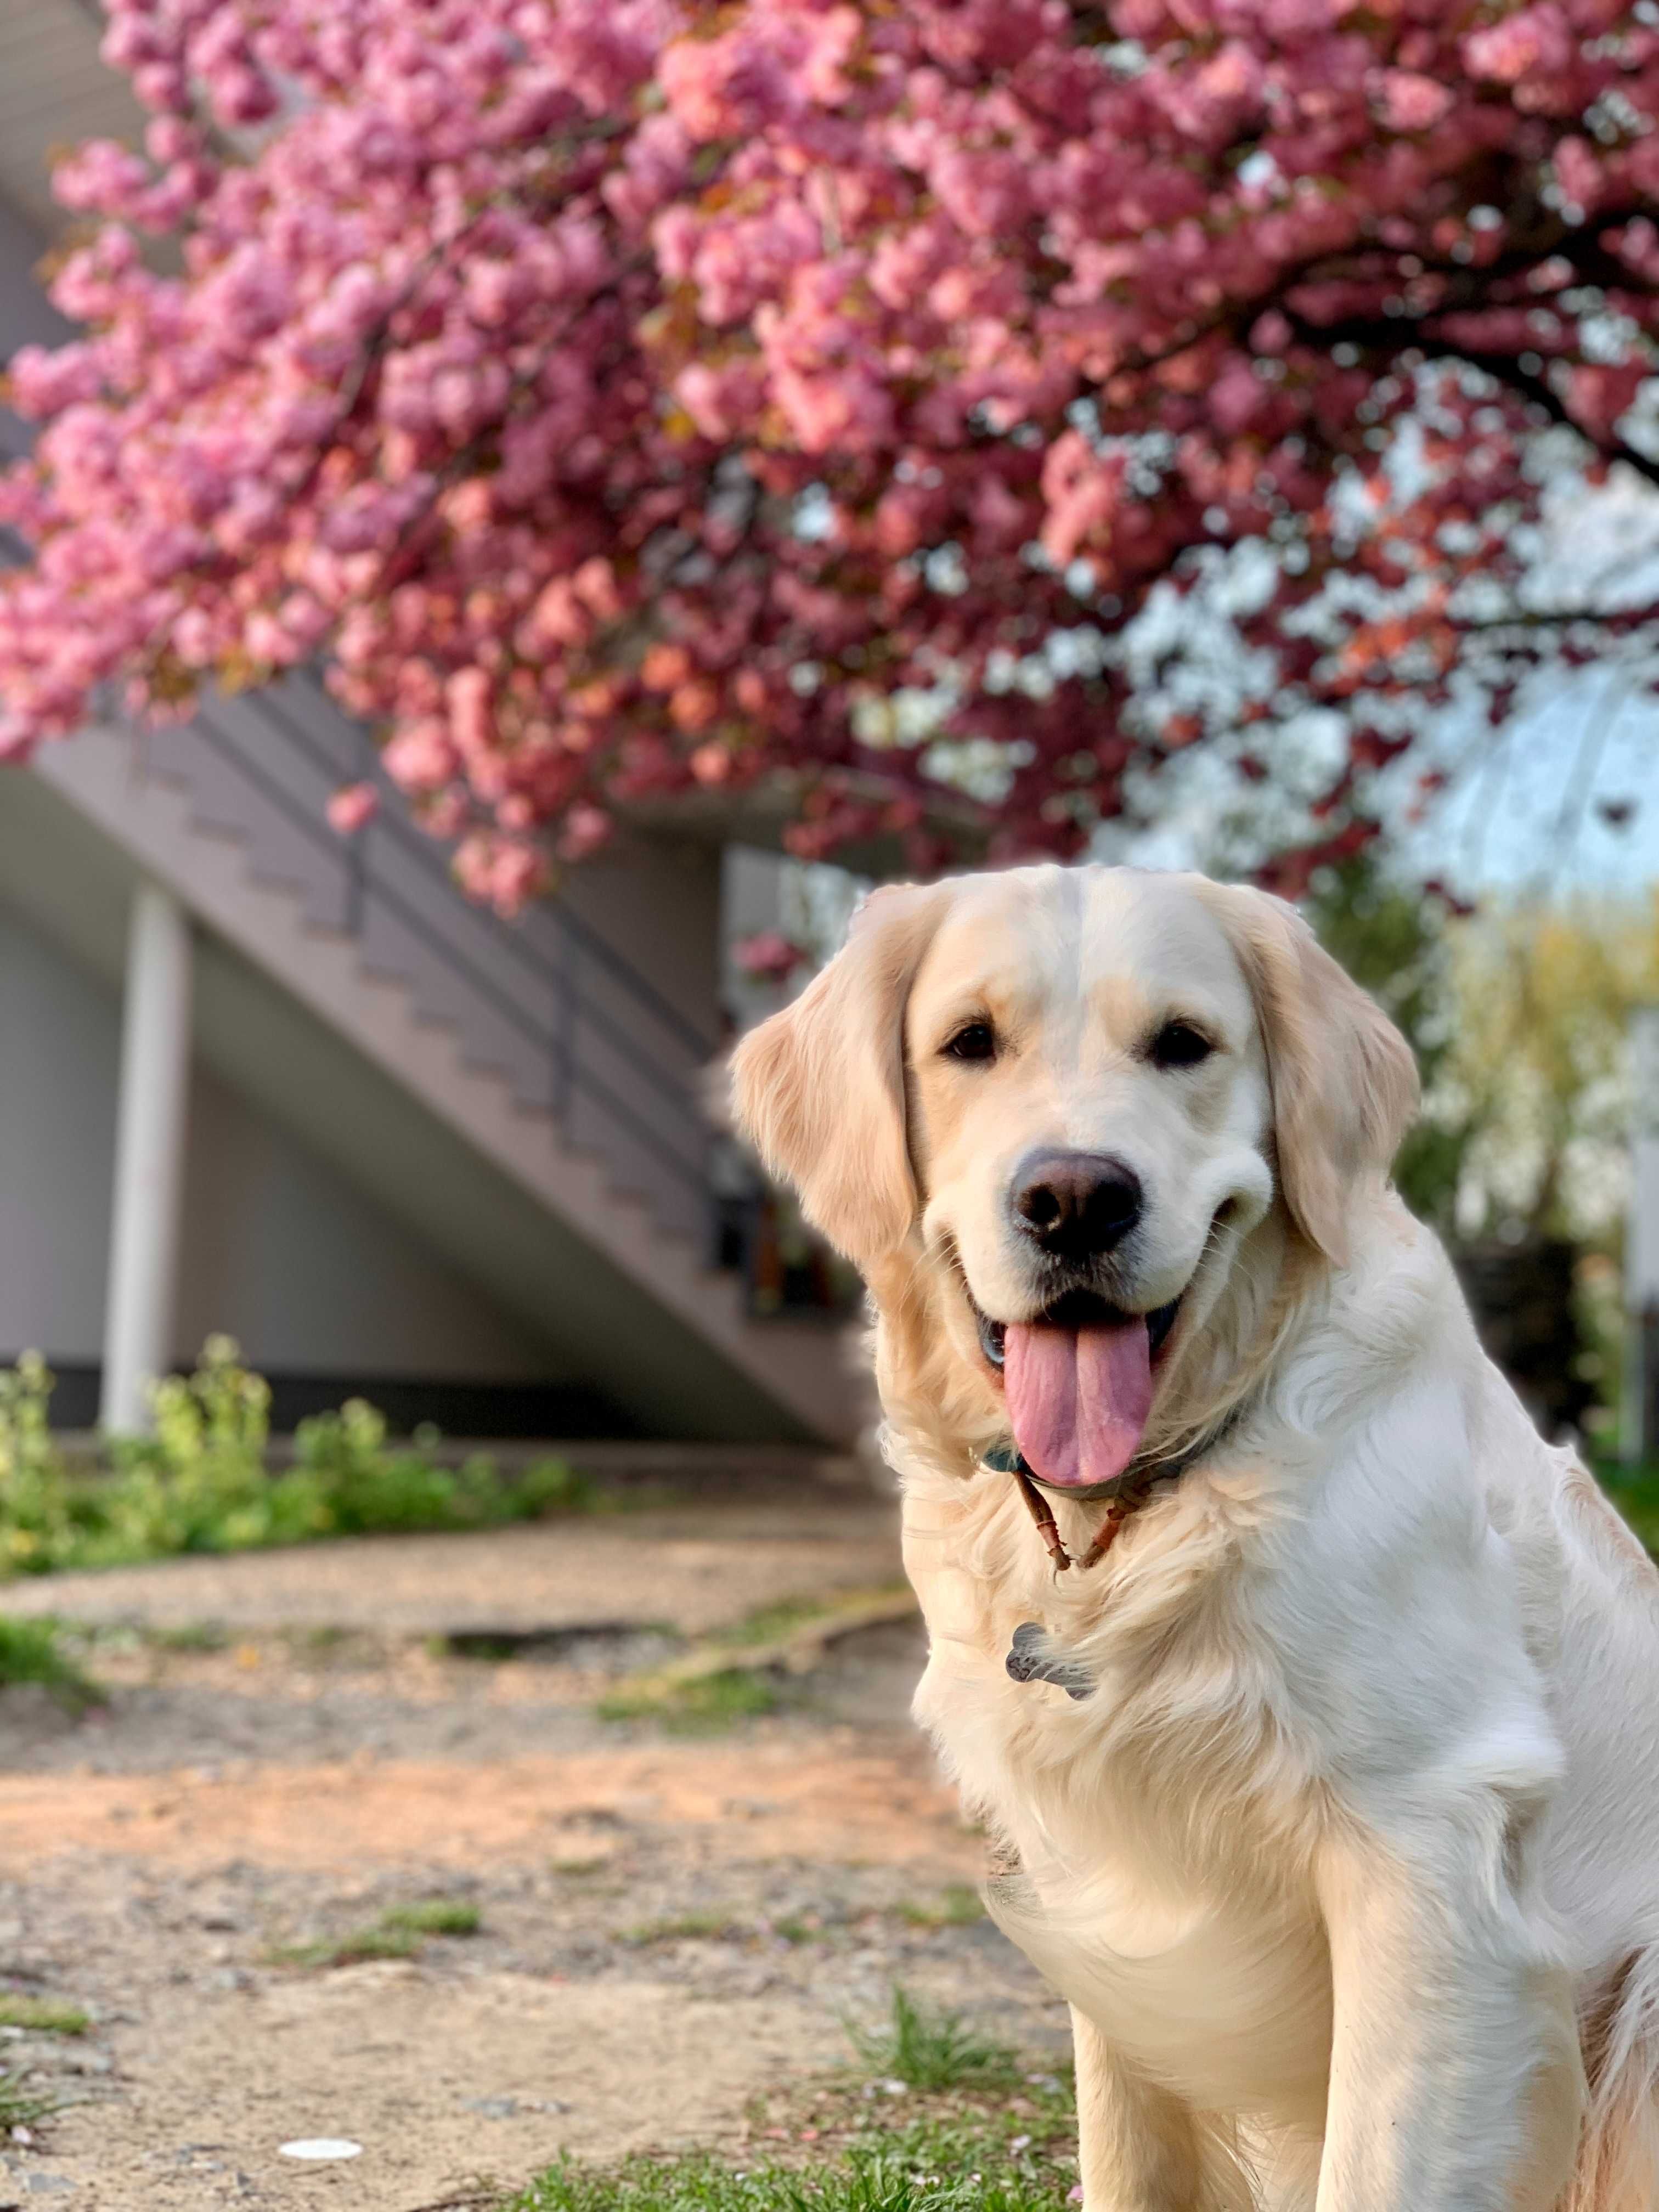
{"points": [[657, 900], [279, 1248], [59, 1046], [310, 1276]]}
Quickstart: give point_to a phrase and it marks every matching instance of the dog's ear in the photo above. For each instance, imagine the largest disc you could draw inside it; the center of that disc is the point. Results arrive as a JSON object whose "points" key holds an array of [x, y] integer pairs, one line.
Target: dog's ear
{"points": [[819, 1088], [1345, 1084]]}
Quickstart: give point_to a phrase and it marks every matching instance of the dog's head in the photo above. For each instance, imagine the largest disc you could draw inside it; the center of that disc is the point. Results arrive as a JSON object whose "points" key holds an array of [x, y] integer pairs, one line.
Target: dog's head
{"points": [[1073, 1106]]}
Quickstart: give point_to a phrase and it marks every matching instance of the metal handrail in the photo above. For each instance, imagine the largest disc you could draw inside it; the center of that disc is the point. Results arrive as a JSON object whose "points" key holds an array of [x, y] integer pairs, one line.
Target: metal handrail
{"points": [[426, 853], [570, 1074]]}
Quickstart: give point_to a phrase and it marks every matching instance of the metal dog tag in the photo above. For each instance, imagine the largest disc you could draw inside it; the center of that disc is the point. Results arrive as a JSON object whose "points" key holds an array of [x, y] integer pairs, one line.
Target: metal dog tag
{"points": [[1025, 1663]]}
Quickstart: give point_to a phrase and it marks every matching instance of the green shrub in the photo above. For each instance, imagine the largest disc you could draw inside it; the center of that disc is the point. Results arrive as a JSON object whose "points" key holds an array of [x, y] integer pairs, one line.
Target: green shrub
{"points": [[200, 1482], [361, 1485], [35, 1502], [30, 1652]]}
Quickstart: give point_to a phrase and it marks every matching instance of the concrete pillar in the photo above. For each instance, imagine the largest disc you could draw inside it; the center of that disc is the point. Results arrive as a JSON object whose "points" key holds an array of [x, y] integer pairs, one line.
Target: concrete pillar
{"points": [[150, 1158]]}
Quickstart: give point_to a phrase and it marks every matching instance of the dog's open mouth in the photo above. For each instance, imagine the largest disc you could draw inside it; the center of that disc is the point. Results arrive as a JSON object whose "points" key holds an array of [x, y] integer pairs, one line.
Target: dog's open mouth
{"points": [[1076, 1309], [1079, 1381]]}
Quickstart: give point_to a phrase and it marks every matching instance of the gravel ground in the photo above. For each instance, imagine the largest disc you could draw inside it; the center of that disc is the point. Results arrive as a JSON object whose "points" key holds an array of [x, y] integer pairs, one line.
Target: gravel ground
{"points": [[693, 1567], [667, 1926]]}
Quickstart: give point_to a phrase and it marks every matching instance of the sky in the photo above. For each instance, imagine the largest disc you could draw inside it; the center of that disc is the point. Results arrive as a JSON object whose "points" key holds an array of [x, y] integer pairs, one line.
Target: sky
{"points": [[1529, 818], [1530, 815], [1562, 802]]}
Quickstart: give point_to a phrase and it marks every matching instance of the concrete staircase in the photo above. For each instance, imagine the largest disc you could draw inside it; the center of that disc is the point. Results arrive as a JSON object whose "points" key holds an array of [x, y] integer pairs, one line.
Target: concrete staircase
{"points": [[537, 1043]]}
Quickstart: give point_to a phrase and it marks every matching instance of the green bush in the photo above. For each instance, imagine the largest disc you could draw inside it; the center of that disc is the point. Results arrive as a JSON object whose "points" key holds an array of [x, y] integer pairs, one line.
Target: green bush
{"points": [[342, 1463], [30, 1652], [37, 1505], [200, 1483]]}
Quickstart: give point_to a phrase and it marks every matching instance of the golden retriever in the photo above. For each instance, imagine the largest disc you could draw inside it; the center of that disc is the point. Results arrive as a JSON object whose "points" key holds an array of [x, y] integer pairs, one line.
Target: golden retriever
{"points": [[1328, 1791]]}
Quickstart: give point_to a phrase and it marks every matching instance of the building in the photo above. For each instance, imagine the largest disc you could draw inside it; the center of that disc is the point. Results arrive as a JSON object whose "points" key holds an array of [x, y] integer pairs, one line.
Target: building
{"points": [[262, 1080]]}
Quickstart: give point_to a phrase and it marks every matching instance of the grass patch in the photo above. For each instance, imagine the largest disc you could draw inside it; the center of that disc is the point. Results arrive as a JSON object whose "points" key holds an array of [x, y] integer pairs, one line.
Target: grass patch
{"points": [[201, 1483], [41, 2016], [929, 2050], [769, 1622], [363, 1943], [30, 1652], [738, 1673], [686, 1927], [489, 1651], [189, 1636], [436, 1916], [974, 2148], [919, 2169], [319, 1641], [401, 1933], [21, 2108], [783, 1623], [705, 1705], [796, 1928], [957, 1905]]}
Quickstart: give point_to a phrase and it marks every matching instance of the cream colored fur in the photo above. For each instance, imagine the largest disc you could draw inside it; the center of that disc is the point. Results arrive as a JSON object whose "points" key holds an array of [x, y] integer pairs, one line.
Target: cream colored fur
{"points": [[1349, 1866]]}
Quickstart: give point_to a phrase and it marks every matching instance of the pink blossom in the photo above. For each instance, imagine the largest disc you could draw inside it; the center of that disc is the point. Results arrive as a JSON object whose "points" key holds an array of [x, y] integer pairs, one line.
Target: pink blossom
{"points": [[1580, 174], [17, 739], [502, 871], [771, 957], [586, 829], [1537, 40], [1409, 101], [100, 177], [420, 758], [352, 810], [43, 383], [620, 398]]}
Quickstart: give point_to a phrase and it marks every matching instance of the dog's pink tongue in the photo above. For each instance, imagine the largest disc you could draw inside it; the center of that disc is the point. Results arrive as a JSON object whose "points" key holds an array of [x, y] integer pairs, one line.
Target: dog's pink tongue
{"points": [[1078, 1399]]}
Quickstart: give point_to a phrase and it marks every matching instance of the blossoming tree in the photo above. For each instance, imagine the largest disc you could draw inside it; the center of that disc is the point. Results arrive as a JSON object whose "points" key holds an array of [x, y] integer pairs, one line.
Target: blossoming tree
{"points": [[626, 396]]}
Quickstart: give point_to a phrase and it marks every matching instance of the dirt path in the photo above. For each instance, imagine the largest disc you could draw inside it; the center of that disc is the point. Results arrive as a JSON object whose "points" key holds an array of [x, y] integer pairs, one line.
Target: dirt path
{"points": [[666, 1926]]}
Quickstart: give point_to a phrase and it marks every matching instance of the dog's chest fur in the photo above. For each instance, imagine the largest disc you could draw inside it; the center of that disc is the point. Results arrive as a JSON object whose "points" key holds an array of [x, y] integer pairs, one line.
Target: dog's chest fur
{"points": [[1160, 1823]]}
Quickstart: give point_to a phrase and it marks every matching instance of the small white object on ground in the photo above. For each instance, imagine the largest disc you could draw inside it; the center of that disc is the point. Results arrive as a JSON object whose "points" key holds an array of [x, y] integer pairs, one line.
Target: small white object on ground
{"points": [[320, 2146]]}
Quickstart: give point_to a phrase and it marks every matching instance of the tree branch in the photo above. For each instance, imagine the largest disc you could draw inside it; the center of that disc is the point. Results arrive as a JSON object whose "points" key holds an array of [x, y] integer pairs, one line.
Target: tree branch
{"points": [[1542, 393], [1386, 335]]}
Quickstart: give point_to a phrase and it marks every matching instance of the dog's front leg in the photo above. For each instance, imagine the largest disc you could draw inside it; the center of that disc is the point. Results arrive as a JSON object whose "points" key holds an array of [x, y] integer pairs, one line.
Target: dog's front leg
{"points": [[1455, 2084], [1138, 2146]]}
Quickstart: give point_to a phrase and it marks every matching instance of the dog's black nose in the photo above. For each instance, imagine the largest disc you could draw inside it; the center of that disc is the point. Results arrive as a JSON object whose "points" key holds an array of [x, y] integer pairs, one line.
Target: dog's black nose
{"points": [[1075, 1204]]}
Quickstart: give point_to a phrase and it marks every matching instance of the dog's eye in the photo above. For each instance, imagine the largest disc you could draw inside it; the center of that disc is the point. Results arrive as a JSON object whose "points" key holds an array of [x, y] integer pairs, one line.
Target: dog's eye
{"points": [[976, 1040], [1178, 1044]]}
